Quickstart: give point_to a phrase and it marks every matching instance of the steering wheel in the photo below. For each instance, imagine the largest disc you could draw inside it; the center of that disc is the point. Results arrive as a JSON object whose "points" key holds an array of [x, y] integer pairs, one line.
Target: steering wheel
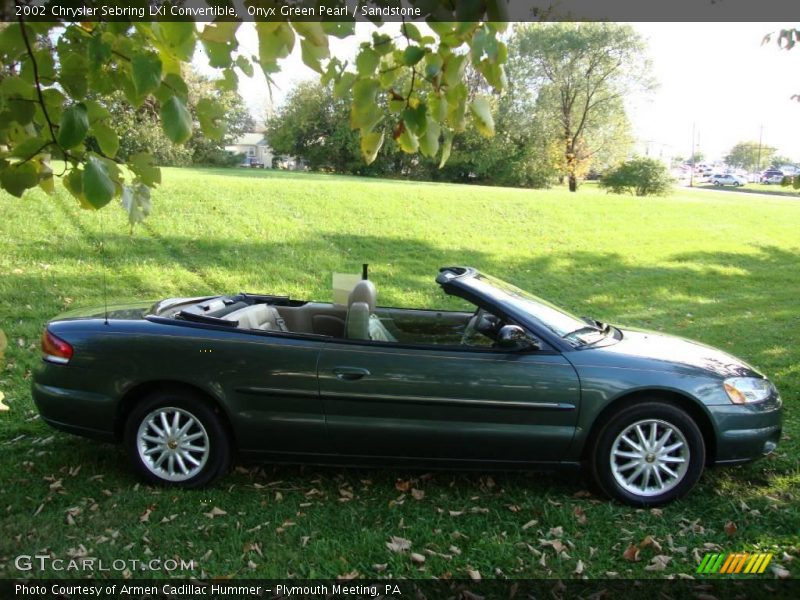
{"points": [[482, 322]]}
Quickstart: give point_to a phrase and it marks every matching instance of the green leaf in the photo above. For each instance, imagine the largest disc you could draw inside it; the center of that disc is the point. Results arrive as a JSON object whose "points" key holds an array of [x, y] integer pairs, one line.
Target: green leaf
{"points": [[433, 65], [245, 65], [275, 41], [367, 61], [143, 165], [74, 67], [312, 31], [457, 106], [447, 146], [454, 69], [370, 145], [146, 69], [312, 54], [178, 37], [412, 55], [229, 81], [407, 141], [482, 113], [98, 188], [410, 31], [429, 141], [176, 120], [211, 115], [26, 148], [106, 138], [15, 179], [136, 202], [343, 86], [20, 110], [339, 29], [415, 119], [73, 181], [73, 126]]}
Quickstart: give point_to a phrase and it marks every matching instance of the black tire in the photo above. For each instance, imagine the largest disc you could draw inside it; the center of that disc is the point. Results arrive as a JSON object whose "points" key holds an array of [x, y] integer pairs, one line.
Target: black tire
{"points": [[601, 464], [215, 438]]}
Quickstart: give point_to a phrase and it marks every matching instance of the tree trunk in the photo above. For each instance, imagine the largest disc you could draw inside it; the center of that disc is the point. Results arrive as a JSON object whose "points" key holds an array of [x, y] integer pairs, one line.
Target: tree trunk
{"points": [[573, 183]]}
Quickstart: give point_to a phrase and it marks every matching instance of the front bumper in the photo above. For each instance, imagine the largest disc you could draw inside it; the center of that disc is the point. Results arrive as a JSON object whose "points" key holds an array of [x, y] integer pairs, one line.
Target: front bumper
{"points": [[746, 431]]}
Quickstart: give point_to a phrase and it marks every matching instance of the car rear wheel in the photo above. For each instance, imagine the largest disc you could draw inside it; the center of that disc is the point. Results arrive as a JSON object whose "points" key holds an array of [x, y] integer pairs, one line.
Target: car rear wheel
{"points": [[648, 454], [177, 439]]}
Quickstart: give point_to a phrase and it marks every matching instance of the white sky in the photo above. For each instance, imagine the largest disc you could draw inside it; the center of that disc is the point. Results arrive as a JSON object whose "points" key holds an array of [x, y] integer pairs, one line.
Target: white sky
{"points": [[716, 75]]}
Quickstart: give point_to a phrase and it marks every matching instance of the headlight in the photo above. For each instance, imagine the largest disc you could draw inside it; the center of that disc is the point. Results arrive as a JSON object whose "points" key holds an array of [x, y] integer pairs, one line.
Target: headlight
{"points": [[744, 390]]}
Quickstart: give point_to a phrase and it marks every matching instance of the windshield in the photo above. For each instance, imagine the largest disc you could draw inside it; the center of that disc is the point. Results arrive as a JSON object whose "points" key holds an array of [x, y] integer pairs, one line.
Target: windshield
{"points": [[560, 322]]}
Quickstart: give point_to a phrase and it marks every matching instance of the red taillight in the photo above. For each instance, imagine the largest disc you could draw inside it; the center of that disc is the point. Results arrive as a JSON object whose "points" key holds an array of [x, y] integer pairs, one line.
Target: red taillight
{"points": [[55, 349]]}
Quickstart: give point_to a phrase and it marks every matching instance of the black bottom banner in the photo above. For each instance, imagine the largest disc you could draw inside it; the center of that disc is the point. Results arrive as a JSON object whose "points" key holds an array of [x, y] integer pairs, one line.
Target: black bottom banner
{"points": [[525, 589]]}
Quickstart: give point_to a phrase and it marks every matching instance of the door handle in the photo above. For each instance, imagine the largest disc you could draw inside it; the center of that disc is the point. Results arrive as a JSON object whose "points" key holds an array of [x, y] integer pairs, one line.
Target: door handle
{"points": [[349, 373]]}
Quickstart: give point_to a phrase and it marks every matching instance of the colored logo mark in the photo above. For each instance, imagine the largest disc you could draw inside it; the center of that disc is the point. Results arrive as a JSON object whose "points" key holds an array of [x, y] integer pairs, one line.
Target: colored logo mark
{"points": [[737, 562]]}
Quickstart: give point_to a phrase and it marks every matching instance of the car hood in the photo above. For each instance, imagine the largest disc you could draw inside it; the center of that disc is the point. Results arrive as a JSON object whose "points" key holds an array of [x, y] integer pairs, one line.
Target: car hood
{"points": [[658, 351]]}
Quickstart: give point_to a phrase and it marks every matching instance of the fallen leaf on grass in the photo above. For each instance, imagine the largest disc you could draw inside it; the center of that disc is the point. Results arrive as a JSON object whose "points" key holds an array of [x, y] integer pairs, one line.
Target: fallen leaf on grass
{"points": [[631, 553], [398, 544], [650, 541], [3, 407], [556, 545], [557, 531], [215, 512], [380, 568], [474, 574], [658, 563], [348, 576], [252, 547], [417, 494], [730, 528], [417, 559], [529, 524], [780, 572], [580, 515], [579, 568], [402, 485], [145, 516]]}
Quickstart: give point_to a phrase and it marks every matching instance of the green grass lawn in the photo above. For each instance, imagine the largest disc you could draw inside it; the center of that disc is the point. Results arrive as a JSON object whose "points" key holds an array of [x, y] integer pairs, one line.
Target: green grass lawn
{"points": [[722, 269]]}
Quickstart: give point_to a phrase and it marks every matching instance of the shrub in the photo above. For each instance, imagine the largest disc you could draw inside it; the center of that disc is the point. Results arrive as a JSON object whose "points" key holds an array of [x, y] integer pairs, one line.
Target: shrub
{"points": [[641, 176]]}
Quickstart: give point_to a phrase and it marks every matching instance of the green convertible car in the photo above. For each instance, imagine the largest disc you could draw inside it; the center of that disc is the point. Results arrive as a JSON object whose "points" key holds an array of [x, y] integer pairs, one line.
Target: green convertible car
{"points": [[515, 383]]}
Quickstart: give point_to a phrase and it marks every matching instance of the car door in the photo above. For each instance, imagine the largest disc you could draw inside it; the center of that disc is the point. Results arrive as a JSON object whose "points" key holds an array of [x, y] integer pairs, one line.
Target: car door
{"points": [[270, 382], [447, 403]]}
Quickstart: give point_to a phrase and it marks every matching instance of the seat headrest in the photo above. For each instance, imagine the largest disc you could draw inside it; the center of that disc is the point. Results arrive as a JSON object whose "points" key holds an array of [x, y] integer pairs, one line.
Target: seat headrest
{"points": [[364, 291]]}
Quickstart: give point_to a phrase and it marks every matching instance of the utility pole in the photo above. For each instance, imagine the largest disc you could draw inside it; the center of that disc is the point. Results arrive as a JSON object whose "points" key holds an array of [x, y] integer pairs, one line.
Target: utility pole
{"points": [[691, 173], [758, 166]]}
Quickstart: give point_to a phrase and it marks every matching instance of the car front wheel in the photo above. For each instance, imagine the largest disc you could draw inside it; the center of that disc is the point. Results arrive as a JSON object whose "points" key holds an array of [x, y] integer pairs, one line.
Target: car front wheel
{"points": [[648, 454], [177, 439]]}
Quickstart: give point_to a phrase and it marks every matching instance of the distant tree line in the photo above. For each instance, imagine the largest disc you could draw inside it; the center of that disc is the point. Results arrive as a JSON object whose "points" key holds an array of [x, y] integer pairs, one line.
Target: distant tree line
{"points": [[560, 115], [139, 128]]}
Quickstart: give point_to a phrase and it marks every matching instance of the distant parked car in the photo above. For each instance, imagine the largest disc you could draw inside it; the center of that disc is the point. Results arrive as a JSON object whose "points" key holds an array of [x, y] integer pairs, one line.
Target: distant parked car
{"points": [[728, 179], [252, 162], [772, 176]]}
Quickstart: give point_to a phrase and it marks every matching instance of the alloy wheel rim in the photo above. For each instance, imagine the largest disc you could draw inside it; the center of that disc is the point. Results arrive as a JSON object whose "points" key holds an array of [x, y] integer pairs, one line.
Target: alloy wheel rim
{"points": [[650, 457], [172, 444]]}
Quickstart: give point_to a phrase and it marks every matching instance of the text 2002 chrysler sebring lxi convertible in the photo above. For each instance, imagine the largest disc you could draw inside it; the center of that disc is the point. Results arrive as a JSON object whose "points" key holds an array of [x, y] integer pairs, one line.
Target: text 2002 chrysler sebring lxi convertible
{"points": [[517, 383]]}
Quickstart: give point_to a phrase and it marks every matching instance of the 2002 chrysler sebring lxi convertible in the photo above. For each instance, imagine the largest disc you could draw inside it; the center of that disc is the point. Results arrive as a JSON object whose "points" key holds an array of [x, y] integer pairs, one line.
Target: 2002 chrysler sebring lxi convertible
{"points": [[517, 382]]}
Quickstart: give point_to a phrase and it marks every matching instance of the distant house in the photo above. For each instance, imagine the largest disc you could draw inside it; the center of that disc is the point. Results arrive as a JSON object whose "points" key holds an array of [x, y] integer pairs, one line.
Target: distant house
{"points": [[255, 149], [257, 153]]}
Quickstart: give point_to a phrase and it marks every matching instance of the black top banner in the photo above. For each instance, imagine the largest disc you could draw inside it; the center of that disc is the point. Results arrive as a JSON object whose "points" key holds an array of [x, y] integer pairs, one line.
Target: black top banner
{"points": [[399, 10]]}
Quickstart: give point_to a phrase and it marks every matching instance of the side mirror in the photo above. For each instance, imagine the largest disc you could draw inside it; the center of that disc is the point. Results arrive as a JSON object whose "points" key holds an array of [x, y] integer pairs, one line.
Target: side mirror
{"points": [[514, 336]]}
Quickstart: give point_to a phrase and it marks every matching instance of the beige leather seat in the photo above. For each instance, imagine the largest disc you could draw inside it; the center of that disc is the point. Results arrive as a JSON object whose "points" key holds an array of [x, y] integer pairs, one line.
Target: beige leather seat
{"points": [[258, 316], [362, 322]]}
